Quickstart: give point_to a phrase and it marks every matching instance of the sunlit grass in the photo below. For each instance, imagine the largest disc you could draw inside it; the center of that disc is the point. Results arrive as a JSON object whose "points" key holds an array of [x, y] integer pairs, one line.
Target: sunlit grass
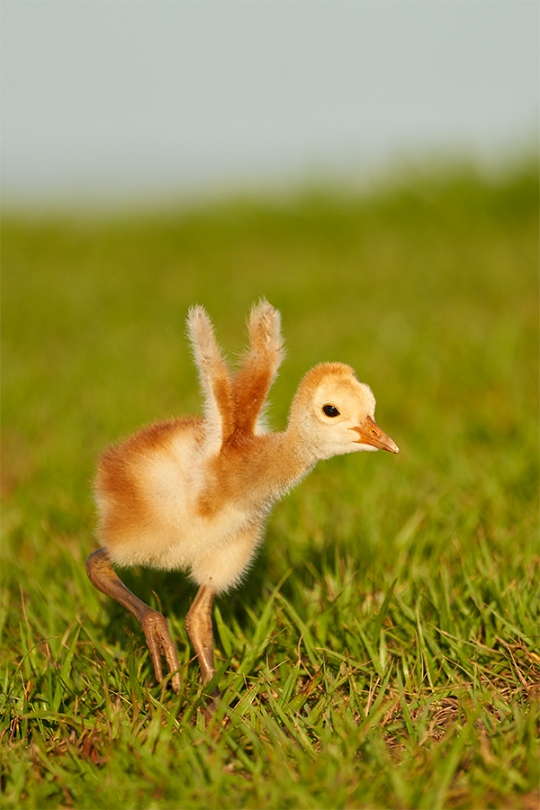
{"points": [[384, 650]]}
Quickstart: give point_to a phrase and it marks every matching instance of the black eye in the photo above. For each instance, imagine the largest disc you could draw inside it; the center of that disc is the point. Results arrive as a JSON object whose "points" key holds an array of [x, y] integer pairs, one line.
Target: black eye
{"points": [[330, 410]]}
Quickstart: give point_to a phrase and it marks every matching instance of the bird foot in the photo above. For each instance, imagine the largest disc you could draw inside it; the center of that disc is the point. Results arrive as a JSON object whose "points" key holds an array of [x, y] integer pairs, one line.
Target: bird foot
{"points": [[160, 643]]}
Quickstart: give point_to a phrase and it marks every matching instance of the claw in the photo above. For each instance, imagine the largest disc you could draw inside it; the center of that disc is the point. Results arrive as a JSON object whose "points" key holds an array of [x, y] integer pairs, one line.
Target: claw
{"points": [[160, 643]]}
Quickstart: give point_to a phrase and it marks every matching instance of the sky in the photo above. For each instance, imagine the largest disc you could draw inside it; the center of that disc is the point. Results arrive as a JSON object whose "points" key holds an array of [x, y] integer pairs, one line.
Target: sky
{"points": [[137, 100]]}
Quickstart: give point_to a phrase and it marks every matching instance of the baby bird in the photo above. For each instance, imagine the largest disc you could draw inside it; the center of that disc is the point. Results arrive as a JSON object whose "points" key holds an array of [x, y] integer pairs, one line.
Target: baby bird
{"points": [[192, 494]]}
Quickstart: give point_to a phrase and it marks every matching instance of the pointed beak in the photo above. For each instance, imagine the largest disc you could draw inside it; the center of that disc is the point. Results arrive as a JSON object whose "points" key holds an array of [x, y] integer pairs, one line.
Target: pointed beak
{"points": [[370, 433]]}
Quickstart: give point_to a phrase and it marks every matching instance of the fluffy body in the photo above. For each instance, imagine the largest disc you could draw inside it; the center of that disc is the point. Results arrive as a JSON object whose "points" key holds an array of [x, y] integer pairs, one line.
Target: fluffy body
{"points": [[193, 493]]}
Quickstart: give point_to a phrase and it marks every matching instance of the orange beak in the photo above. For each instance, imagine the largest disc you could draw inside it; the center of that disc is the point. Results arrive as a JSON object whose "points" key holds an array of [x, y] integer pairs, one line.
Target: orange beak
{"points": [[370, 433]]}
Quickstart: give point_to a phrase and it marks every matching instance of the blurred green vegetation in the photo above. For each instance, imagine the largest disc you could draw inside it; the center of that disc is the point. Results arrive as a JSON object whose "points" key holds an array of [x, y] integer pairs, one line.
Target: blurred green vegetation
{"points": [[428, 286]]}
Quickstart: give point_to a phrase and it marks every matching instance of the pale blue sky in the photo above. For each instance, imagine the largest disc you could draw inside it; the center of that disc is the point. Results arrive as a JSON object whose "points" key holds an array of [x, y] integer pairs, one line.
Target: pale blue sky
{"points": [[133, 100]]}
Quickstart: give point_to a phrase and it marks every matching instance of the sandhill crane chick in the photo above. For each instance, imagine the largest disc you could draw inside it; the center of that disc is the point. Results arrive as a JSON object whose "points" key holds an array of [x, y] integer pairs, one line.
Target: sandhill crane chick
{"points": [[192, 494]]}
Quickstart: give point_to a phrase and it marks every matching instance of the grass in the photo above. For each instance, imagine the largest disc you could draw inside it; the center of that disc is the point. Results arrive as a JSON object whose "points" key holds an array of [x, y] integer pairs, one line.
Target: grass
{"points": [[384, 651]]}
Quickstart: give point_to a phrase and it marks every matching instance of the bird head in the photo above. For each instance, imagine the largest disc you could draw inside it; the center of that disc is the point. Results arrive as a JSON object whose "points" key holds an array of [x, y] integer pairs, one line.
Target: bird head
{"points": [[334, 413]]}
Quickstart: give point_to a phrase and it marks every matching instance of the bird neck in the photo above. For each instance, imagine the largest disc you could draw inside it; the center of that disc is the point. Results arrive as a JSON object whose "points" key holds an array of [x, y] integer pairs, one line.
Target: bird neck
{"points": [[263, 469], [281, 462]]}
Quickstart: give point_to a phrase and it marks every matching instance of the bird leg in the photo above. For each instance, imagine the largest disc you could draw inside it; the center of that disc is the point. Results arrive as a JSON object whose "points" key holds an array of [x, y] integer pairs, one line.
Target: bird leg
{"points": [[199, 629], [154, 625]]}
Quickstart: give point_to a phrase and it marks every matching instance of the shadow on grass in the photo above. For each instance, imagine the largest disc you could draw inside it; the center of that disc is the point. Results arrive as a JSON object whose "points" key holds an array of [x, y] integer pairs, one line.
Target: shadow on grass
{"points": [[172, 592]]}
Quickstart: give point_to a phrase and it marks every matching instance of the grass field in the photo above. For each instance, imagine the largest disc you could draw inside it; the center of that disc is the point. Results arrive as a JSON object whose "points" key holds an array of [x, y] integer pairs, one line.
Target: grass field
{"points": [[384, 651]]}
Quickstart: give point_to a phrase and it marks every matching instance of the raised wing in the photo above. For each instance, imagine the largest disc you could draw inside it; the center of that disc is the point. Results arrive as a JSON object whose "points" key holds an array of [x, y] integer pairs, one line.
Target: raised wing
{"points": [[215, 380], [259, 366]]}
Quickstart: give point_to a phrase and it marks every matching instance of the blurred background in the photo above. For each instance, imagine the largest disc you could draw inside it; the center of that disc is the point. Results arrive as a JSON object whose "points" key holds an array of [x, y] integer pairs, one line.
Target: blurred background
{"points": [[134, 103]]}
